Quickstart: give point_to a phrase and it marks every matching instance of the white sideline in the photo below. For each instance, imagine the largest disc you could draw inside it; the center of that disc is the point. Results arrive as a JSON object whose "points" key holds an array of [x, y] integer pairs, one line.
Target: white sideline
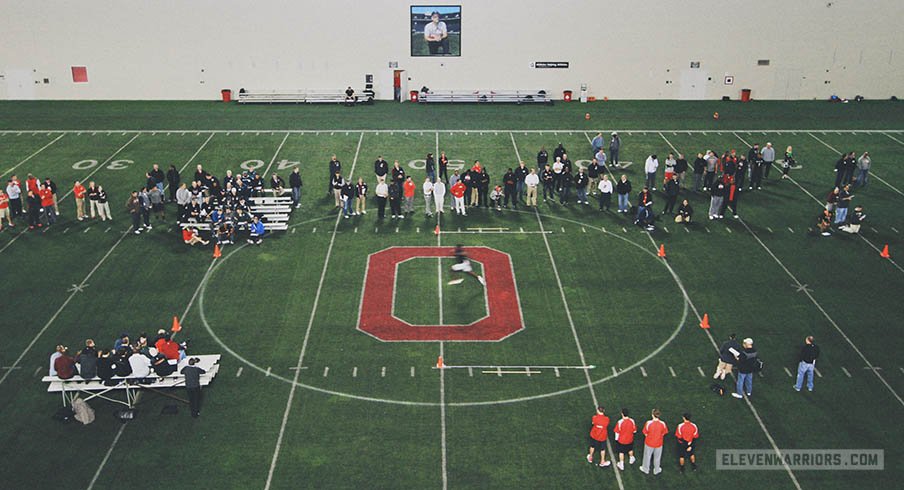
{"points": [[451, 131], [871, 172], [574, 332], [275, 155], [304, 344], [29, 157]]}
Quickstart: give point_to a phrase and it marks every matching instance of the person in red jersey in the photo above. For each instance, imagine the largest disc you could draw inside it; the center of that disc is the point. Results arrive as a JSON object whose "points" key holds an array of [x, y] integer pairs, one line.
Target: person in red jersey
{"points": [[654, 431], [599, 432], [687, 435], [624, 439], [458, 195]]}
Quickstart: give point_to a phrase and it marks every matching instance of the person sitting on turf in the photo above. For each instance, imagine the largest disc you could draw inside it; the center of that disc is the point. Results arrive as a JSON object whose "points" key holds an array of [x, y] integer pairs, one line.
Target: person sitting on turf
{"points": [[644, 201], [856, 220], [646, 217], [685, 212], [225, 233], [824, 222], [190, 237], [256, 231], [463, 264]]}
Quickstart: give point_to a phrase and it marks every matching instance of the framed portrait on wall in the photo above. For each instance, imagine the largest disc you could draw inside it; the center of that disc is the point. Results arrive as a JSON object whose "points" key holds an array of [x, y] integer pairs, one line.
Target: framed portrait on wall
{"points": [[435, 30]]}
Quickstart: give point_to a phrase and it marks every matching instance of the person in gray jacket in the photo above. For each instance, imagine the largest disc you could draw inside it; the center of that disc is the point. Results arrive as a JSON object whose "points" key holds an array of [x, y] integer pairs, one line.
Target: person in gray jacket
{"points": [[863, 165], [183, 199], [614, 146], [768, 159]]}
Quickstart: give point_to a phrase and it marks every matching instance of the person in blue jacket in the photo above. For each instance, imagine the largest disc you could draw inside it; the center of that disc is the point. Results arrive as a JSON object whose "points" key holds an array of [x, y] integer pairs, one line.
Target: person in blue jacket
{"points": [[256, 231]]}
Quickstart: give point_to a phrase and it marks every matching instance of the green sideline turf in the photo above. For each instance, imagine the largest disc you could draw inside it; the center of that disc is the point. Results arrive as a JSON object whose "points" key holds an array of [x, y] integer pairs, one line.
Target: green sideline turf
{"points": [[367, 413]]}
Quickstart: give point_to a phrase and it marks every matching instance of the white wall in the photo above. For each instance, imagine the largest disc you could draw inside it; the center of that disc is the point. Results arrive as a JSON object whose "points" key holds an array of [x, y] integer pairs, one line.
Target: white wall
{"points": [[146, 49]]}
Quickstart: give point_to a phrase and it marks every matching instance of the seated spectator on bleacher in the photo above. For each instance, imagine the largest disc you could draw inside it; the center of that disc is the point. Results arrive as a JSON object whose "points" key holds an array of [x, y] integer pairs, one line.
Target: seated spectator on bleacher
{"points": [[64, 364], [166, 346], [277, 184], [225, 233], [87, 360], [350, 96], [120, 341], [190, 237], [140, 363], [53, 357], [105, 365], [121, 365], [160, 364], [256, 231]]}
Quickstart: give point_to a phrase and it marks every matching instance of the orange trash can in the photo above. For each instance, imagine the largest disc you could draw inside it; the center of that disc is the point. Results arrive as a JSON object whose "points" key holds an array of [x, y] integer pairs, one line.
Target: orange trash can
{"points": [[227, 94], [745, 95]]}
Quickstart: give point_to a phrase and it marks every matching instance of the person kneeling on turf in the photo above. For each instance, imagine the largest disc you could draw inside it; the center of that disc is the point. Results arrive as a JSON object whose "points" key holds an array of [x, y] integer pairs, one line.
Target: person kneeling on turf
{"points": [[464, 265], [685, 212], [496, 198], [256, 231], [190, 237]]}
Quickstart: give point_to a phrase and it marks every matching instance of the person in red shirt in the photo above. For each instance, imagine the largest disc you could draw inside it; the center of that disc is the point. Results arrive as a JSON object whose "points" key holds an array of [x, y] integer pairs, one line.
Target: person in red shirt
{"points": [[624, 439], [46, 194], [654, 431], [190, 237], [4, 209], [167, 346], [64, 365], [687, 435], [79, 191], [458, 197], [408, 190], [599, 432]]}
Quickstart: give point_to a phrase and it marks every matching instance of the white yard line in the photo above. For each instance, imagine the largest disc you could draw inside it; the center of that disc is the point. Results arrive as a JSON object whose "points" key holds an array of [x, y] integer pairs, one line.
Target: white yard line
{"points": [[29, 157], [63, 306], [283, 142], [307, 334], [102, 165], [871, 171], [107, 456], [669, 143], [442, 372], [194, 155], [892, 137], [824, 313], [450, 131], [574, 332]]}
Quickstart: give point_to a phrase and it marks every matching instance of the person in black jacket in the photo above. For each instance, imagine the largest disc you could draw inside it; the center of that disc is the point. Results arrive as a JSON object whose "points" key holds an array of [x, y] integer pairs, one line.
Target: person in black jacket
{"points": [[173, 178], [34, 210], [729, 352], [681, 167], [87, 360], [381, 168], [623, 190], [748, 363], [740, 175], [542, 159], [809, 352], [521, 172], [295, 183], [335, 168], [443, 167], [508, 188], [105, 368], [430, 167], [565, 183], [483, 187], [548, 180], [672, 188], [685, 213], [395, 200], [559, 152], [756, 172]]}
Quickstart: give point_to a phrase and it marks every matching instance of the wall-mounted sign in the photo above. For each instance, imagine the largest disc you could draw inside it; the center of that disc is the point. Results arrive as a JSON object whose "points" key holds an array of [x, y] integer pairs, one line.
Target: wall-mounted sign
{"points": [[550, 64]]}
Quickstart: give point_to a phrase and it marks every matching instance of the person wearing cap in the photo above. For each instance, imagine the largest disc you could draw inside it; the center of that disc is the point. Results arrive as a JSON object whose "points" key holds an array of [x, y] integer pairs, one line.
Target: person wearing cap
{"points": [[807, 363], [436, 35], [599, 433], [687, 434], [192, 375], [747, 362], [614, 146], [654, 432]]}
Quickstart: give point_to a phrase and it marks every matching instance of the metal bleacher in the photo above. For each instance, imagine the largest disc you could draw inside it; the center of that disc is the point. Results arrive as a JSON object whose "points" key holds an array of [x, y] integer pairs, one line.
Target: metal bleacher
{"points": [[299, 96], [485, 96]]}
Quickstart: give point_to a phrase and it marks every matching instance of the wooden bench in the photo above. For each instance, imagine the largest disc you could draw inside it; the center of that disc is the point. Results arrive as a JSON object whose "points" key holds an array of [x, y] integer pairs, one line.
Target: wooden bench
{"points": [[128, 385], [485, 96], [319, 96]]}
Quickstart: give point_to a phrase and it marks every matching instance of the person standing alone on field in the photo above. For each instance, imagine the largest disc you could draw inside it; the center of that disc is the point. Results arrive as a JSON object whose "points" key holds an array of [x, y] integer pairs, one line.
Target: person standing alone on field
{"points": [[295, 183], [687, 434], [809, 352], [599, 432], [192, 375], [624, 431]]}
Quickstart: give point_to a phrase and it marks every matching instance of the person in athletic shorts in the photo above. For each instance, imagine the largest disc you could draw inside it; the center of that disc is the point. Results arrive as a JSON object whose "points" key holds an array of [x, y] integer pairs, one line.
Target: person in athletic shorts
{"points": [[598, 435], [625, 429], [687, 435], [462, 264]]}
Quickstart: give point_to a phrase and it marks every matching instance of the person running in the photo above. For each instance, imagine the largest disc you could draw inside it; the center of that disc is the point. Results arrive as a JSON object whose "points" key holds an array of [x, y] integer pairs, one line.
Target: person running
{"points": [[687, 434], [463, 265], [598, 434], [624, 439]]}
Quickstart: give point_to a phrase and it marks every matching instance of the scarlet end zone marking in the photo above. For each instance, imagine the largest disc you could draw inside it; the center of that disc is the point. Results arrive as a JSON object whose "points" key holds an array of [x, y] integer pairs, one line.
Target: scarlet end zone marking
{"points": [[503, 309]]}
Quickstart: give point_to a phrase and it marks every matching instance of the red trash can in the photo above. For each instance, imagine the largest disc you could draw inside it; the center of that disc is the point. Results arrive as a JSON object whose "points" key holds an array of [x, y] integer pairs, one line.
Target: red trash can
{"points": [[227, 94], [566, 96], [412, 96], [745, 95]]}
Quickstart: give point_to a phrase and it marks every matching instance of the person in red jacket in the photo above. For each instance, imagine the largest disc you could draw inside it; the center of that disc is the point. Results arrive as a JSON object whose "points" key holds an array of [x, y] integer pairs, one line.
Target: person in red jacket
{"points": [[46, 194], [654, 431], [624, 439], [599, 432], [687, 435], [79, 192], [458, 196], [4, 209], [408, 190], [64, 365]]}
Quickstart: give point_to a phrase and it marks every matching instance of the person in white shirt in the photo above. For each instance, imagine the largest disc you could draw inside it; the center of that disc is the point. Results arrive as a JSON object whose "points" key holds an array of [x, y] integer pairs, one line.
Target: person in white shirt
{"points": [[670, 164], [382, 192], [532, 181], [53, 357], [439, 195], [436, 35], [428, 195], [140, 364], [605, 188], [650, 167]]}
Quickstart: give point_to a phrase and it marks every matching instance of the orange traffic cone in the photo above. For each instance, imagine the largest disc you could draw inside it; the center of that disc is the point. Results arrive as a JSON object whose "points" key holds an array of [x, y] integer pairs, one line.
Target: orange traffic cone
{"points": [[439, 363], [704, 324], [216, 251], [662, 251], [884, 253], [436, 230], [176, 326]]}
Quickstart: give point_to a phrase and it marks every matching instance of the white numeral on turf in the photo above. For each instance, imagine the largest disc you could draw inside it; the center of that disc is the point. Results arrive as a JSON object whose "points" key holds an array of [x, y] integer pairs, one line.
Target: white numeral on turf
{"points": [[252, 164], [114, 165]]}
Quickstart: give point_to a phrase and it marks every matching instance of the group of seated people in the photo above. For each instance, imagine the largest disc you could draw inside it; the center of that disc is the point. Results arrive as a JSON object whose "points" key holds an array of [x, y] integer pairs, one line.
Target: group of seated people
{"points": [[134, 360]]}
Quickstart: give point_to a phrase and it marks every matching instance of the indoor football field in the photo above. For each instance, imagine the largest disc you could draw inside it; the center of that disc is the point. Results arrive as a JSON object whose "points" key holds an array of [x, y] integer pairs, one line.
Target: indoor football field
{"points": [[349, 361]]}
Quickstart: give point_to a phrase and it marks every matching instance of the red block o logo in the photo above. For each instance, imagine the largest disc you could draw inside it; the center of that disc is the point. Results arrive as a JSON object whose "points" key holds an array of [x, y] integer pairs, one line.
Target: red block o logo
{"points": [[503, 318]]}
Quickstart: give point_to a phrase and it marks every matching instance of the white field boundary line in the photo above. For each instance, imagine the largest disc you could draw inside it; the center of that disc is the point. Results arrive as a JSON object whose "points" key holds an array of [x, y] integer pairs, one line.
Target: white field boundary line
{"points": [[753, 409], [63, 306], [122, 428], [574, 332], [29, 157], [442, 373], [892, 137], [111, 157], [278, 149], [802, 188], [192, 158], [871, 172], [307, 333], [430, 130]]}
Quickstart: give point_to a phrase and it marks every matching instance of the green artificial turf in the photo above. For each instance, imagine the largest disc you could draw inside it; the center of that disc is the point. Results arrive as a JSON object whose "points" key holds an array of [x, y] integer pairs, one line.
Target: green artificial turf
{"points": [[367, 413]]}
